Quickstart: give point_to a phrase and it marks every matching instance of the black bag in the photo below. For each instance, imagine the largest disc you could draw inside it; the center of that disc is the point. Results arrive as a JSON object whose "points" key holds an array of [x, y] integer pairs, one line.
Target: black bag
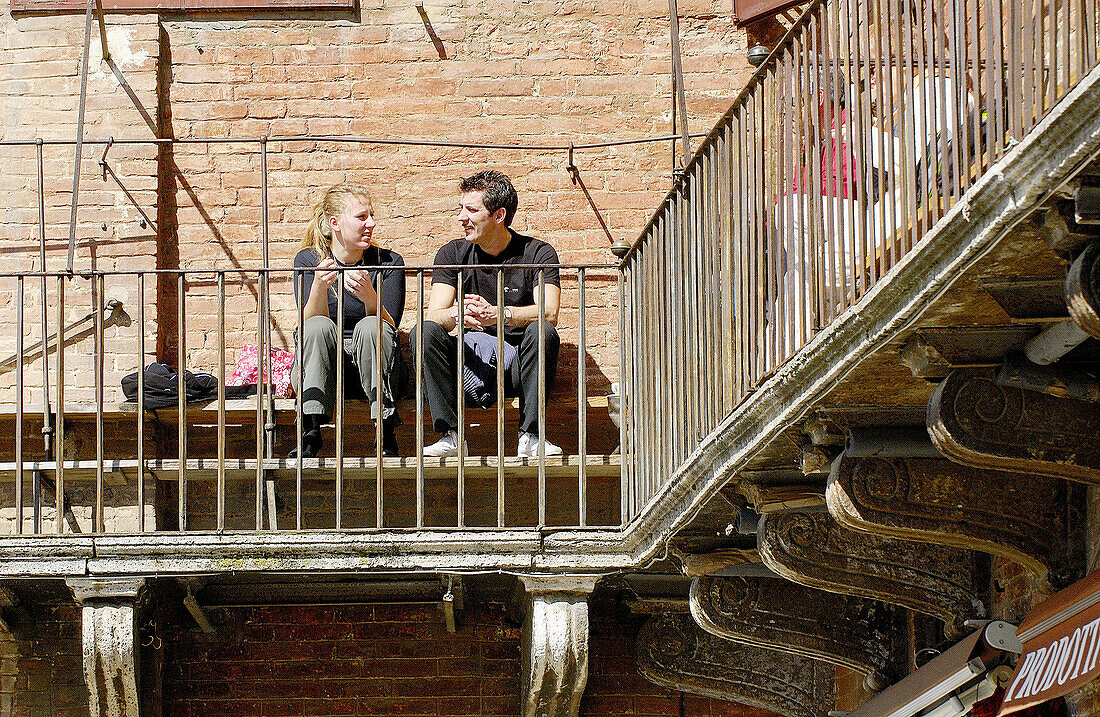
{"points": [[162, 386]]}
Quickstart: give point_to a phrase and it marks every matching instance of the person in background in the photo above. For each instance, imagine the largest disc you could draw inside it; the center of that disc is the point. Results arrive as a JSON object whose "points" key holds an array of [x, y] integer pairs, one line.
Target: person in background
{"points": [[341, 235], [487, 205]]}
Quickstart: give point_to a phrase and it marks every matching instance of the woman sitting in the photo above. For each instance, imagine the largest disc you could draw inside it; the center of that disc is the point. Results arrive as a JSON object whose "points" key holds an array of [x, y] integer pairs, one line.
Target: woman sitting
{"points": [[340, 235]]}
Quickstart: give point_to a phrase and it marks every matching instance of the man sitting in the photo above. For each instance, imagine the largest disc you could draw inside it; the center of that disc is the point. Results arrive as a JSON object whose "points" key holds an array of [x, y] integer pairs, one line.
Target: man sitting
{"points": [[487, 205]]}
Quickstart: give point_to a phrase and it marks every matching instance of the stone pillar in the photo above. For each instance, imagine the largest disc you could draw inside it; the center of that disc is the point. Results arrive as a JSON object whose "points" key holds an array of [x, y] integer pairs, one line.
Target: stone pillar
{"points": [[555, 644], [109, 639]]}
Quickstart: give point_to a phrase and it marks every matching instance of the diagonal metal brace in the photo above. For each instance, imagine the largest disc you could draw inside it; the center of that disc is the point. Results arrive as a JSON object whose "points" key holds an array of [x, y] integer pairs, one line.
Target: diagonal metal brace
{"points": [[575, 175], [106, 169]]}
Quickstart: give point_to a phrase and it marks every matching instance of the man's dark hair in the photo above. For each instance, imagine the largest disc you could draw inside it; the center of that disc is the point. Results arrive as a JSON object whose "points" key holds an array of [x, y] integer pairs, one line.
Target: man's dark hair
{"points": [[497, 191]]}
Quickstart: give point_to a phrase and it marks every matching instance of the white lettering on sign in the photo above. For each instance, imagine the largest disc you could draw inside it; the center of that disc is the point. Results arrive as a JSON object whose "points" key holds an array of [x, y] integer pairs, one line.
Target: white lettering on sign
{"points": [[1061, 661]]}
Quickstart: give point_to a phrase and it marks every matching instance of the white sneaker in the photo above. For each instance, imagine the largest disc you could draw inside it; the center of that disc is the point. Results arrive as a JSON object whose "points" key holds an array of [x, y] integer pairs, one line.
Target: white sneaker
{"points": [[445, 447], [529, 447]]}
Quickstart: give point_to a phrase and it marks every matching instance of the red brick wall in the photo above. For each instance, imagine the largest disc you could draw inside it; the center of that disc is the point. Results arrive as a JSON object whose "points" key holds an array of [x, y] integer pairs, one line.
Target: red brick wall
{"points": [[40, 665], [387, 659]]}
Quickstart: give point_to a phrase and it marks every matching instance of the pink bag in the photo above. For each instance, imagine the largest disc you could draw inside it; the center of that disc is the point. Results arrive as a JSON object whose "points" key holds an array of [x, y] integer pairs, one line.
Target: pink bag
{"points": [[247, 370]]}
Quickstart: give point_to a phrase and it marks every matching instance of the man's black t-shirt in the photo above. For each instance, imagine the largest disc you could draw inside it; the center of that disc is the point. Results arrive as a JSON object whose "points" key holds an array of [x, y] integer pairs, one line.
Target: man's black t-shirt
{"points": [[519, 284], [393, 285]]}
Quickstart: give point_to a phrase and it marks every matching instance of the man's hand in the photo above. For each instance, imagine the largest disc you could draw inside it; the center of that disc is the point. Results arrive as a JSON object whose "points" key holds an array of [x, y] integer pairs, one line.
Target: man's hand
{"points": [[476, 310]]}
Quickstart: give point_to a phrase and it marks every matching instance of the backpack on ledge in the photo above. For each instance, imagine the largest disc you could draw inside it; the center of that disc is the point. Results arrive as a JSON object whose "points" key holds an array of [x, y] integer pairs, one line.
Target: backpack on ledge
{"points": [[162, 386]]}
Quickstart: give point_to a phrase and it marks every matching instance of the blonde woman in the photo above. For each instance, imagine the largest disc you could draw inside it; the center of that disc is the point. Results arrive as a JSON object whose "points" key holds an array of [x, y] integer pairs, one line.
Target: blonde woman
{"points": [[340, 235]]}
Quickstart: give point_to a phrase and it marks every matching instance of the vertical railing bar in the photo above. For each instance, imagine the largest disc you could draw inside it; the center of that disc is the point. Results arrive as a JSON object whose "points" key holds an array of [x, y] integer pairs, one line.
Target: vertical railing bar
{"points": [[500, 397], [221, 402], [582, 405], [703, 294], [1067, 57], [19, 404], [995, 124], [711, 312], [664, 425], [339, 418], [861, 124], [650, 372], [828, 149], [729, 391], [181, 400], [978, 57], [962, 105], [907, 116], [627, 469], [59, 429], [460, 399], [640, 440], [865, 152], [141, 402], [850, 184], [261, 392], [47, 414], [890, 189], [947, 151], [675, 256], [779, 157], [542, 396], [936, 77], [926, 108], [1014, 99], [739, 243], [299, 277], [810, 178], [379, 499], [769, 135], [756, 196], [794, 193], [97, 286], [1039, 65], [419, 376]]}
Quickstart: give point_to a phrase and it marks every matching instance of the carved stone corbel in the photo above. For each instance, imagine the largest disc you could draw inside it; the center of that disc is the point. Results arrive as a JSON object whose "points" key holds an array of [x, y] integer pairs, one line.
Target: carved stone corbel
{"points": [[1028, 519], [813, 549], [674, 652], [1083, 290], [555, 644], [109, 643], [975, 421], [868, 636]]}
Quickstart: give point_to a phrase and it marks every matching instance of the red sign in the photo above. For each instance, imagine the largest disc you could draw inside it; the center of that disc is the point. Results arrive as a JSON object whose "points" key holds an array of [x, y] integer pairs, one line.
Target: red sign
{"points": [[1061, 639]]}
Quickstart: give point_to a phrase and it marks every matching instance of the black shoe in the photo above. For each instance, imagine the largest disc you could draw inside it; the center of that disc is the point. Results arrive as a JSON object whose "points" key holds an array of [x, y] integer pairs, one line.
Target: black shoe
{"points": [[389, 439], [311, 437]]}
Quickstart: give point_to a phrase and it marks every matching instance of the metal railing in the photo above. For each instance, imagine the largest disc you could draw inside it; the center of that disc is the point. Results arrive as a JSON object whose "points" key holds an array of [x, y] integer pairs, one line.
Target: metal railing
{"points": [[112, 467], [865, 126]]}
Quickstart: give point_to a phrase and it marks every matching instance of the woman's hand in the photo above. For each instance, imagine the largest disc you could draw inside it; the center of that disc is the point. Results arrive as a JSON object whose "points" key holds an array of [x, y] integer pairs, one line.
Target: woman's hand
{"points": [[359, 284], [325, 273]]}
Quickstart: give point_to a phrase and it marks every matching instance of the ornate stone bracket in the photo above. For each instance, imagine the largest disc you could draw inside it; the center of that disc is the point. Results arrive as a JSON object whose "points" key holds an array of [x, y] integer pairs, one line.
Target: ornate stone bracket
{"points": [[975, 421], [1083, 290], [109, 644], [555, 644], [674, 652], [813, 549], [1027, 518], [865, 635]]}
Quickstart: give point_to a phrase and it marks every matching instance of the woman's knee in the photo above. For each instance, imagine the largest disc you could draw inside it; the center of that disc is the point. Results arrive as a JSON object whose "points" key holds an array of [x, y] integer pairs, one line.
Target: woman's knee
{"points": [[319, 328]]}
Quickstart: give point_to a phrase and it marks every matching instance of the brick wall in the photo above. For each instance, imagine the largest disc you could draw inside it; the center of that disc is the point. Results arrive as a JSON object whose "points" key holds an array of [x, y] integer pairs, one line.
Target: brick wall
{"points": [[522, 72], [391, 659], [39, 90], [40, 667]]}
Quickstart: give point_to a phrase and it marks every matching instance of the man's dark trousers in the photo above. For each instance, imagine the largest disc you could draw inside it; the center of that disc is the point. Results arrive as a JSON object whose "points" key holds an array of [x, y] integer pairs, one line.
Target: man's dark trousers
{"points": [[522, 379]]}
